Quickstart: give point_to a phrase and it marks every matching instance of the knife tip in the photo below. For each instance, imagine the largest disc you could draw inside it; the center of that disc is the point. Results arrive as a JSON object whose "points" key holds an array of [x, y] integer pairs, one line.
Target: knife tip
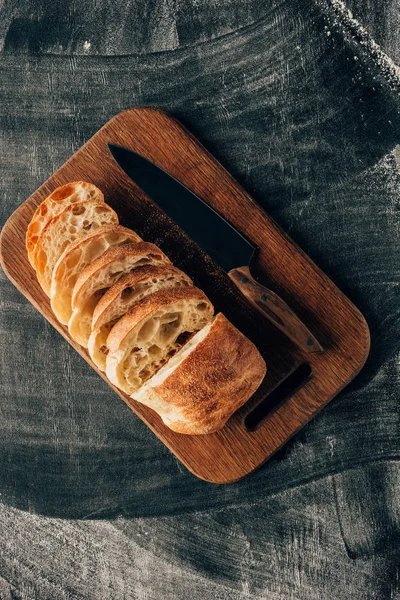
{"points": [[313, 346], [115, 150]]}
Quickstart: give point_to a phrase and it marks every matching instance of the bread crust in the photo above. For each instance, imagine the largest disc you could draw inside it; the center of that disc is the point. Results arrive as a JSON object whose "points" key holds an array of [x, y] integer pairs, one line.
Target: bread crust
{"points": [[214, 380], [148, 306], [124, 294], [138, 276], [113, 254], [60, 295], [60, 198], [56, 224]]}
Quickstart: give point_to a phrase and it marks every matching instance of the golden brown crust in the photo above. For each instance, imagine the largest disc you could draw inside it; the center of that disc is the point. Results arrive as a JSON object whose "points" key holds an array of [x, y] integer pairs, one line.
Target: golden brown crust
{"points": [[131, 280], [53, 204], [139, 249], [213, 381], [76, 257], [55, 223], [146, 307]]}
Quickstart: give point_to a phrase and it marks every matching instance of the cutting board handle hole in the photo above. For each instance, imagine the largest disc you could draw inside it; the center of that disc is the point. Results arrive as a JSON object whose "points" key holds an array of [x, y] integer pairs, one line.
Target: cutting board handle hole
{"points": [[293, 382]]}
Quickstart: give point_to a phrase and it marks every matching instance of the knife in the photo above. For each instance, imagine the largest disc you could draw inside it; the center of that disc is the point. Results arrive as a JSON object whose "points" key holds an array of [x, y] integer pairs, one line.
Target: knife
{"points": [[218, 238]]}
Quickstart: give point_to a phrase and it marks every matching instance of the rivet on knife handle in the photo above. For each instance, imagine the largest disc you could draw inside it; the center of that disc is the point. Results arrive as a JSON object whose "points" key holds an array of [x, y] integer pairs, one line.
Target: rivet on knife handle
{"points": [[275, 309]]}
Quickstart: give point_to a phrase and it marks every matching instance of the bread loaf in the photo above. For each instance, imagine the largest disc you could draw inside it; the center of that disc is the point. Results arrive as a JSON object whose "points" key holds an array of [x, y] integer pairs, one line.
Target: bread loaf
{"points": [[151, 332], [122, 296], [202, 385], [75, 221], [141, 318], [62, 197], [76, 257], [100, 275]]}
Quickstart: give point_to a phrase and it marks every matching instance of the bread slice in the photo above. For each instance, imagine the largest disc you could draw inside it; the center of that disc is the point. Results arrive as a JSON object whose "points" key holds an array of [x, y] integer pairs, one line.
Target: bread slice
{"points": [[100, 275], [75, 221], [63, 196], [202, 385], [151, 332], [124, 294], [76, 257]]}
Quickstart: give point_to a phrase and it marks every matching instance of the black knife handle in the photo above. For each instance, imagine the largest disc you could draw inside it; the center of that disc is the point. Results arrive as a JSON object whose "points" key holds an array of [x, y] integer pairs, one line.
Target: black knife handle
{"points": [[275, 309]]}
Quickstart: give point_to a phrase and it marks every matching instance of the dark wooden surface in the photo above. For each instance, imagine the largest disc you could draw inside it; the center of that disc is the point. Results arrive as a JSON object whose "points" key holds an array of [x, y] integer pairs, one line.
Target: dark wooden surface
{"points": [[322, 307], [336, 322], [299, 105]]}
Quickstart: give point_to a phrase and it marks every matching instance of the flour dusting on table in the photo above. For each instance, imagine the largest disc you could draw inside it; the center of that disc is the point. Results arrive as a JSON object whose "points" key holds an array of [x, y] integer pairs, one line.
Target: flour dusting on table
{"points": [[341, 19]]}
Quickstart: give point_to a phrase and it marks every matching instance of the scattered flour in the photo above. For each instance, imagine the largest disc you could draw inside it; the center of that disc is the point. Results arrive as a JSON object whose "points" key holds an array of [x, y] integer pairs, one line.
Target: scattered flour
{"points": [[340, 18]]}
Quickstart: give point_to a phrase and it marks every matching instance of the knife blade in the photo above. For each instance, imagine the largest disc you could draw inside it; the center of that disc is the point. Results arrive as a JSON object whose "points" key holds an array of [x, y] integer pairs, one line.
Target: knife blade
{"points": [[217, 237]]}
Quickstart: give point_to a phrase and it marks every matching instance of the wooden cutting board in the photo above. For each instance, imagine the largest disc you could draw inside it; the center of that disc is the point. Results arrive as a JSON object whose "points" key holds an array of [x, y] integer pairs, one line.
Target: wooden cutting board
{"points": [[297, 384]]}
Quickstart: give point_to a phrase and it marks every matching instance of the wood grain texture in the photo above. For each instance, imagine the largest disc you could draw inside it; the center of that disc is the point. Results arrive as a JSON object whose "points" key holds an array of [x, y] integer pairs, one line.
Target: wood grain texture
{"points": [[271, 307], [288, 546], [283, 138], [308, 131], [136, 27], [314, 298]]}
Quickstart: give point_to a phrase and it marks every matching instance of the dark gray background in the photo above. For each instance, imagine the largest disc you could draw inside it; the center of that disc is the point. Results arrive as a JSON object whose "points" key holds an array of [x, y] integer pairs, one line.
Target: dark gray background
{"points": [[299, 102]]}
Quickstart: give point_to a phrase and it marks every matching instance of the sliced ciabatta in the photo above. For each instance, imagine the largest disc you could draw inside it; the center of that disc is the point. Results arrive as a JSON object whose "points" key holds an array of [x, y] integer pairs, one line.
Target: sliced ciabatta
{"points": [[122, 296], [76, 257], [63, 196], [151, 332], [100, 275], [202, 385], [75, 221]]}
